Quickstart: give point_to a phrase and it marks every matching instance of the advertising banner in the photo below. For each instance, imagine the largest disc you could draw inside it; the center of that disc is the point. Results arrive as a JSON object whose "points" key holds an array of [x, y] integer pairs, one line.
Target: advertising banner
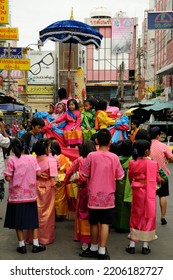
{"points": [[122, 35], [42, 70], [4, 12], [8, 33], [14, 64], [160, 20], [14, 52]]}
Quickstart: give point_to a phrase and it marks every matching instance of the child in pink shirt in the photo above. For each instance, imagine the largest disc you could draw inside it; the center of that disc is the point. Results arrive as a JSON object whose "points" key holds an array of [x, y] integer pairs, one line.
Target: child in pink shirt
{"points": [[101, 169], [22, 212]]}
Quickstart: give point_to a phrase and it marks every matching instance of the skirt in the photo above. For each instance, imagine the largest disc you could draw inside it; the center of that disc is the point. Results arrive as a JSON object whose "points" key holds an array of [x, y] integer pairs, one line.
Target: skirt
{"points": [[21, 216]]}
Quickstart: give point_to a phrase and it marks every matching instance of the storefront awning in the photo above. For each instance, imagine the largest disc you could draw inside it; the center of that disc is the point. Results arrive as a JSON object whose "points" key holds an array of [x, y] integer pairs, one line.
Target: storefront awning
{"points": [[167, 70]]}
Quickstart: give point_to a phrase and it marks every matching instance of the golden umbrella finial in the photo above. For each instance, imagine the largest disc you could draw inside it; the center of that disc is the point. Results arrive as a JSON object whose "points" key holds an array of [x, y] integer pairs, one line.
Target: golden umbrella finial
{"points": [[71, 16]]}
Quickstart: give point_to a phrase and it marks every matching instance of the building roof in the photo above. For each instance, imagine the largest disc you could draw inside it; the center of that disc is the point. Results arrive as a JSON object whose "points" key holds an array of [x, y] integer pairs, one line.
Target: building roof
{"points": [[100, 12]]}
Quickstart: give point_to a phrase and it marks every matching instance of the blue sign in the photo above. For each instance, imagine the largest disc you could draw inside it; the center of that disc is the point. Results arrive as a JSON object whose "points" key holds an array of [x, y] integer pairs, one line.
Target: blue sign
{"points": [[15, 53], [160, 20]]}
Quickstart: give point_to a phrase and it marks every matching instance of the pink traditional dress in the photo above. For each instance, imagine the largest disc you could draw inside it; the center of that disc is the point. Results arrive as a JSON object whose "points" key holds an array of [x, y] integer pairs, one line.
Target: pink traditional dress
{"points": [[46, 199], [143, 176], [72, 130]]}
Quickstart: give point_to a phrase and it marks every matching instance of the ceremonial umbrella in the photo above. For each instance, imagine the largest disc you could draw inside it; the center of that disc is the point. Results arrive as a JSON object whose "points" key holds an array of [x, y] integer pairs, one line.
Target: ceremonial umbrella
{"points": [[72, 32]]}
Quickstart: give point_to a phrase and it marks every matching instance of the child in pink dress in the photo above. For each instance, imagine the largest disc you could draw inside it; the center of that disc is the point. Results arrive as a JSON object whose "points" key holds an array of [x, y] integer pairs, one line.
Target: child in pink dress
{"points": [[101, 169], [22, 212], [72, 129]]}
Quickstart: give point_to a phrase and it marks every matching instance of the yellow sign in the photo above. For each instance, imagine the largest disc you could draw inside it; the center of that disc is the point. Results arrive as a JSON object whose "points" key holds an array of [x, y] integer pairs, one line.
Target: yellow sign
{"points": [[14, 64], [8, 33], [3, 11], [40, 89]]}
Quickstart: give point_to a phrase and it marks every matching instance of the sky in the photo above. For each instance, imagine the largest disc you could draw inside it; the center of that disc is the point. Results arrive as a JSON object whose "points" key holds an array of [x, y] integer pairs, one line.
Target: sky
{"points": [[32, 16]]}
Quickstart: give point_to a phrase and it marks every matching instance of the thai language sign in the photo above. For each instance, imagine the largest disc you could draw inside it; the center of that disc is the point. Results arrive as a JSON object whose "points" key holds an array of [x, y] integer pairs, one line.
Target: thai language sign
{"points": [[14, 52], [160, 20], [40, 89], [4, 11], [14, 64], [8, 33]]}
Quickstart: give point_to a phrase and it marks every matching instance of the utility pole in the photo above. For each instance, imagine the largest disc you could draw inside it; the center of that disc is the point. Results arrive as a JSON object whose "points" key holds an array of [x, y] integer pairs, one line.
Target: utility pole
{"points": [[139, 68], [121, 67]]}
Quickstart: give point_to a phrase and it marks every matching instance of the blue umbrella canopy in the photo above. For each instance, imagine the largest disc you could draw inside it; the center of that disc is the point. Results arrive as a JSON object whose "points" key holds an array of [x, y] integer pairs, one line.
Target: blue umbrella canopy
{"points": [[71, 31]]}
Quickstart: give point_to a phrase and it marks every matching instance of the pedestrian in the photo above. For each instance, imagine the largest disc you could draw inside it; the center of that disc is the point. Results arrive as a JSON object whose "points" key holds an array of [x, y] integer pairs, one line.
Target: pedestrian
{"points": [[46, 190], [72, 129], [134, 129], [62, 95], [30, 137], [4, 143], [143, 175], [161, 153], [123, 195], [61, 198], [21, 131], [22, 212], [100, 170], [82, 225]]}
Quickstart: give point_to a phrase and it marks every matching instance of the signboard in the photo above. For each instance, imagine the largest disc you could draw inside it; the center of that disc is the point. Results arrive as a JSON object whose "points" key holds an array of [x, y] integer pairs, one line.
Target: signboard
{"points": [[122, 35], [8, 33], [42, 69], [40, 90], [4, 11], [14, 64], [160, 20], [14, 52]]}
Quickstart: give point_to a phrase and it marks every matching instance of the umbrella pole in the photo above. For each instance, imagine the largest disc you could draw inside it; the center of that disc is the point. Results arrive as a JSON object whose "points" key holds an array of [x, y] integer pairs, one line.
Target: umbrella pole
{"points": [[68, 75]]}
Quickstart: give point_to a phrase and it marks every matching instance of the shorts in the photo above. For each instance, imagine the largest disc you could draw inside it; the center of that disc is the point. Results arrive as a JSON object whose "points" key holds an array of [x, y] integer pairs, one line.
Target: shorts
{"points": [[102, 216], [164, 189]]}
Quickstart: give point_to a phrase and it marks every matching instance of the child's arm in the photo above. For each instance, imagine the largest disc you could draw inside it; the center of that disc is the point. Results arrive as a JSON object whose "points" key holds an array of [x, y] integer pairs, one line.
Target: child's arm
{"points": [[8, 178]]}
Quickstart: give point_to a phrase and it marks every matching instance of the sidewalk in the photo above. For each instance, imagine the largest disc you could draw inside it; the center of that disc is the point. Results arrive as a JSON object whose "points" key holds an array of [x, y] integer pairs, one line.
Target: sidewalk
{"points": [[64, 248]]}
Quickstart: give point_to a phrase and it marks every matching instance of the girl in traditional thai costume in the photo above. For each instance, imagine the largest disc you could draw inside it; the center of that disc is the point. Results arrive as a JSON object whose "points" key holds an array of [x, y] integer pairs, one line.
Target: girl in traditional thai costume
{"points": [[61, 195], [88, 120], [123, 195], [143, 175], [46, 191], [72, 129]]}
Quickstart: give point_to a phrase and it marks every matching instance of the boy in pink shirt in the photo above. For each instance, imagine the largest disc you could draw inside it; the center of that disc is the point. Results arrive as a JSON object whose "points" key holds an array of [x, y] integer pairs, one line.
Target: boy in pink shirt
{"points": [[101, 169]]}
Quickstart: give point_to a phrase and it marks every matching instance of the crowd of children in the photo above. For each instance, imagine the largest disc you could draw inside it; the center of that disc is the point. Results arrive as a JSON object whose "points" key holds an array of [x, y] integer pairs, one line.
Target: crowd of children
{"points": [[106, 184]]}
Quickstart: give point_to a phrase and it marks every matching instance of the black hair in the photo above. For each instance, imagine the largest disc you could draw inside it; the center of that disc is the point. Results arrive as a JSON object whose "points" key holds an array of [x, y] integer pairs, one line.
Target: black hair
{"points": [[74, 102], [86, 147], [37, 121], [17, 145], [40, 146], [139, 148], [136, 122], [103, 137], [116, 148], [127, 148], [154, 132], [102, 105], [55, 148], [115, 102], [94, 102], [62, 93], [142, 134], [88, 101]]}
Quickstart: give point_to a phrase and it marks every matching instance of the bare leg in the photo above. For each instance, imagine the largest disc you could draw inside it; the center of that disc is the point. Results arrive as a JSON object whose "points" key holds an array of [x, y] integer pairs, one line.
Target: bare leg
{"points": [[19, 233], [104, 233], [163, 206], [35, 233], [94, 234]]}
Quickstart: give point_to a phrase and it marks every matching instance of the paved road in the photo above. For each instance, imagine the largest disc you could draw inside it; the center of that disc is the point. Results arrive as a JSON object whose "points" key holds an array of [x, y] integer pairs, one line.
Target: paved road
{"points": [[64, 248]]}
